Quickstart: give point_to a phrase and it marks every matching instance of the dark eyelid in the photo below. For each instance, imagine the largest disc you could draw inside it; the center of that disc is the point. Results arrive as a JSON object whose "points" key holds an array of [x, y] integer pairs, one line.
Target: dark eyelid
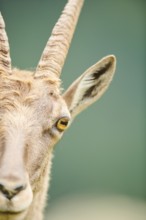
{"points": [[64, 116]]}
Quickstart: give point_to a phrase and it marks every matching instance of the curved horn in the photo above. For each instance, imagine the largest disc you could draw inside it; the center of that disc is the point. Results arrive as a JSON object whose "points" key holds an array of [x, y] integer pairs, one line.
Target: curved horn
{"points": [[5, 60], [57, 47]]}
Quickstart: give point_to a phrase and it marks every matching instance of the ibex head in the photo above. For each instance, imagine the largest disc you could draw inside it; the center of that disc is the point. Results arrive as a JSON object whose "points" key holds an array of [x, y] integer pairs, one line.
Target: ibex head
{"points": [[34, 115]]}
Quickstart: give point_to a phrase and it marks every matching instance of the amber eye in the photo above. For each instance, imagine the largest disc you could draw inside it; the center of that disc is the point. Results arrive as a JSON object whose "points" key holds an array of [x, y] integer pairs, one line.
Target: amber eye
{"points": [[62, 124]]}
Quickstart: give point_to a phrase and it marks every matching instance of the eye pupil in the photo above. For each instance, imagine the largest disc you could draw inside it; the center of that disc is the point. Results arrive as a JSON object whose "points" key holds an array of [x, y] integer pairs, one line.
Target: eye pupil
{"points": [[62, 124]]}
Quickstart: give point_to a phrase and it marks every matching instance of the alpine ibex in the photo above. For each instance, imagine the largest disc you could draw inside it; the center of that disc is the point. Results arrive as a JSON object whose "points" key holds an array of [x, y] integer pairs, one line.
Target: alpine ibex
{"points": [[34, 115]]}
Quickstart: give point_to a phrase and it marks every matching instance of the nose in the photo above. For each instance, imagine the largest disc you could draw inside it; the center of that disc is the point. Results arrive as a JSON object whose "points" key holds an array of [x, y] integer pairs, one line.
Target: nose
{"points": [[11, 191], [13, 175]]}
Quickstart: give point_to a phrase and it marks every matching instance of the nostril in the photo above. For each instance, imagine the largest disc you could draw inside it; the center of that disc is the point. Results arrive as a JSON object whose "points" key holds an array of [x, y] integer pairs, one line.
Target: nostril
{"points": [[20, 188], [7, 193], [1, 187]]}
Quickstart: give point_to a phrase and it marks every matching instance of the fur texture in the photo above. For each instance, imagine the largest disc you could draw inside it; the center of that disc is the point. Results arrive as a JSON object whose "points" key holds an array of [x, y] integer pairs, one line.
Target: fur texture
{"points": [[34, 115]]}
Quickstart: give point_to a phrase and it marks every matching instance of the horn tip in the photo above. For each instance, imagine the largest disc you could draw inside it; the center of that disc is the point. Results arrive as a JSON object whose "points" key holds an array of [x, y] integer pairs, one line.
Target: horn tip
{"points": [[2, 23], [1, 15]]}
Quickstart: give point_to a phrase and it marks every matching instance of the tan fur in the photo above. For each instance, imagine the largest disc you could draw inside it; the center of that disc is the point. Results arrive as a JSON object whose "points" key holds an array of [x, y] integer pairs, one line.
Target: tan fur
{"points": [[31, 108]]}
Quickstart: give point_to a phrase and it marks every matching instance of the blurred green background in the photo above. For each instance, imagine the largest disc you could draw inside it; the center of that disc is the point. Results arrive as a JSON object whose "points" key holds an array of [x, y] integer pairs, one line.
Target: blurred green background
{"points": [[104, 150]]}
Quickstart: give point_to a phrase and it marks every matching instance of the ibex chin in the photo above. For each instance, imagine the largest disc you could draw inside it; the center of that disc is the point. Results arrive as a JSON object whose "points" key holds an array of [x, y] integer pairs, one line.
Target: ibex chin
{"points": [[34, 115]]}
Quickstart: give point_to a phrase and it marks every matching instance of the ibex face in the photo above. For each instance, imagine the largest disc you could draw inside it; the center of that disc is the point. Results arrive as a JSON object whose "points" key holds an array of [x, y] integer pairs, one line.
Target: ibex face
{"points": [[34, 114]]}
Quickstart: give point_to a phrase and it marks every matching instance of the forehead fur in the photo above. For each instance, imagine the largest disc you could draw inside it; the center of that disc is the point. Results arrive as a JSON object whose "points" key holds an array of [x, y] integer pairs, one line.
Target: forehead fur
{"points": [[22, 87]]}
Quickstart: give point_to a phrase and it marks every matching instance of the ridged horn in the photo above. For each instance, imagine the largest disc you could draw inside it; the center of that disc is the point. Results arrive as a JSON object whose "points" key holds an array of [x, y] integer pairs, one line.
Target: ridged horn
{"points": [[5, 60], [55, 52]]}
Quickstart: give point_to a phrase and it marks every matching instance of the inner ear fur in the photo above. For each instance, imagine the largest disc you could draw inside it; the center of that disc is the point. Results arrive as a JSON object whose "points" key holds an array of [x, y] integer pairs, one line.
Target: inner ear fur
{"points": [[90, 85]]}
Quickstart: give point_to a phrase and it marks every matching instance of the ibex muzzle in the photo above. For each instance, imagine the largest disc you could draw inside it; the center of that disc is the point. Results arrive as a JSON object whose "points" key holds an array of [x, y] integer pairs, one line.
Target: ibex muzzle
{"points": [[14, 178]]}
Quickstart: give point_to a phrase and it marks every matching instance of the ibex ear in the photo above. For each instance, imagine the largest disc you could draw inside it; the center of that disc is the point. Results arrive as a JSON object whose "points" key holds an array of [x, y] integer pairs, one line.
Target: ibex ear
{"points": [[90, 85]]}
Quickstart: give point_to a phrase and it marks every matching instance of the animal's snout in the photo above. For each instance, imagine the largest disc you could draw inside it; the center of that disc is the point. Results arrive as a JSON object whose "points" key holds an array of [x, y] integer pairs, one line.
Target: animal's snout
{"points": [[12, 182], [15, 190]]}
